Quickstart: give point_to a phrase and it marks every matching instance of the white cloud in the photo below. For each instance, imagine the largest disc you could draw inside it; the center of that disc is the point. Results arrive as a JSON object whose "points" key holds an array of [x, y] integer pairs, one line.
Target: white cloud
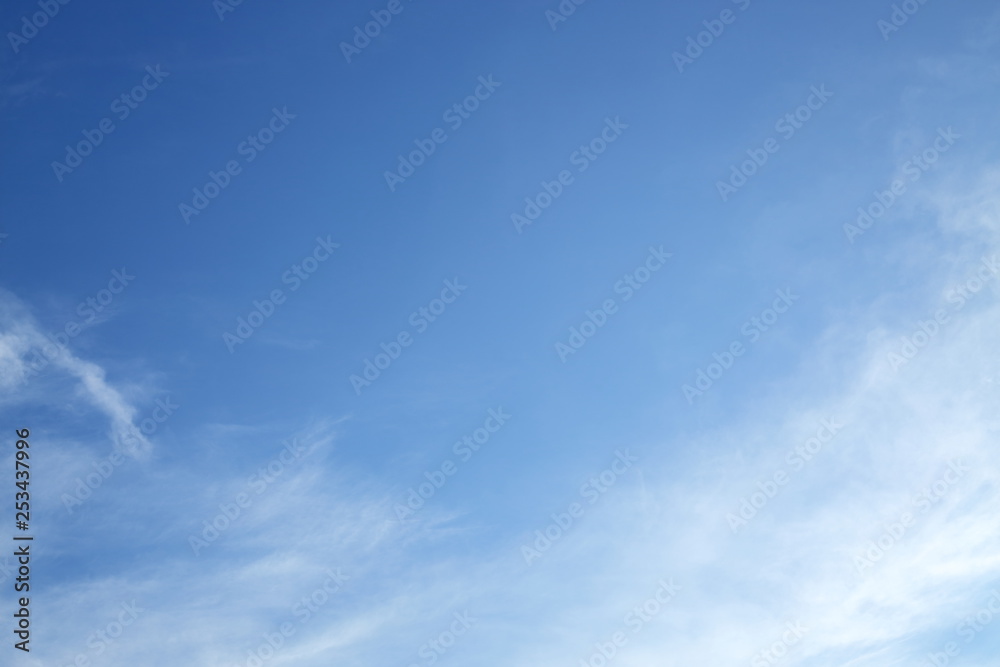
{"points": [[25, 351]]}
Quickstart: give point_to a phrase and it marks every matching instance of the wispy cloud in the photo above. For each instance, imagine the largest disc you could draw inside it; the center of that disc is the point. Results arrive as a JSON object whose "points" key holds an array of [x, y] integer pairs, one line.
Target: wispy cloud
{"points": [[24, 347]]}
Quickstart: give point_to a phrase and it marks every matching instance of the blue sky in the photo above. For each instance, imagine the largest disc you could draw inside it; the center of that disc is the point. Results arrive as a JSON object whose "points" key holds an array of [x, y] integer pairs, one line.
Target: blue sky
{"points": [[726, 400]]}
